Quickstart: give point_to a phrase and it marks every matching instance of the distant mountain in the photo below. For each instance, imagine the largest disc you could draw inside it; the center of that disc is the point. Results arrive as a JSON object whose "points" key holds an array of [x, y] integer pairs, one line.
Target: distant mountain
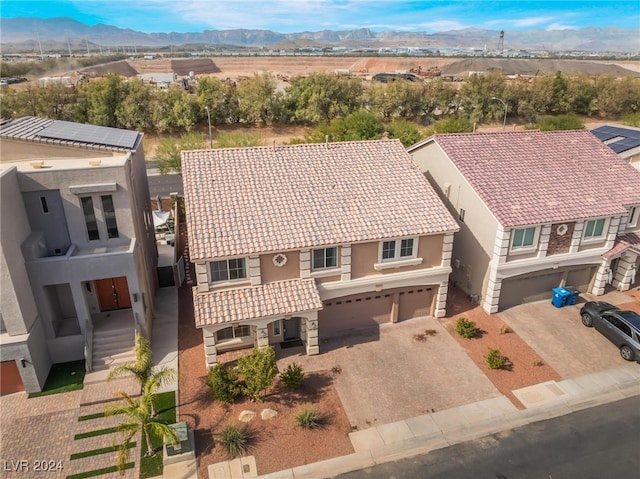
{"points": [[59, 33]]}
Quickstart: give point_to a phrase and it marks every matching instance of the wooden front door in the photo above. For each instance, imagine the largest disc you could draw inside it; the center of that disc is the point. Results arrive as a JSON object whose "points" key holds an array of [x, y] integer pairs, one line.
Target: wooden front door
{"points": [[113, 293]]}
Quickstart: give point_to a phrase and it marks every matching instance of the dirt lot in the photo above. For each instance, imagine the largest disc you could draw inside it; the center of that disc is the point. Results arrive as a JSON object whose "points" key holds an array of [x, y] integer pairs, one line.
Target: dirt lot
{"points": [[234, 67]]}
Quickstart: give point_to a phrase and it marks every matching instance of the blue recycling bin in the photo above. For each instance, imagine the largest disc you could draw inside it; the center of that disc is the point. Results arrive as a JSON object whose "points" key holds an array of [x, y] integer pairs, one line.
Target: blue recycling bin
{"points": [[573, 296], [560, 297]]}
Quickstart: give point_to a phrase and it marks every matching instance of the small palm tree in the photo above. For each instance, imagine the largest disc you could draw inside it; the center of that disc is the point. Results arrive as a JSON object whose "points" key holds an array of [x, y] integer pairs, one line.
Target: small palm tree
{"points": [[138, 417], [142, 369]]}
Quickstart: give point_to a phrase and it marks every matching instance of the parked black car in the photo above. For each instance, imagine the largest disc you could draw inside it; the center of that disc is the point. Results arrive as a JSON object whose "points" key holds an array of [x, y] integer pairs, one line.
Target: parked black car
{"points": [[620, 327]]}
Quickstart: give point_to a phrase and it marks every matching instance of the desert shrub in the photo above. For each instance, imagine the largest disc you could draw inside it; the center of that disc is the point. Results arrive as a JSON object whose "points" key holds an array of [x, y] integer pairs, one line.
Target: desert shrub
{"points": [[258, 371], [495, 359], [292, 376], [234, 439], [465, 328], [504, 329], [222, 382], [309, 418]]}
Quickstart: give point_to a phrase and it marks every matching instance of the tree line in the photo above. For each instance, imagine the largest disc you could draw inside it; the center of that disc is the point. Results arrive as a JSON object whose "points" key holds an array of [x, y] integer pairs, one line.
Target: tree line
{"points": [[320, 98]]}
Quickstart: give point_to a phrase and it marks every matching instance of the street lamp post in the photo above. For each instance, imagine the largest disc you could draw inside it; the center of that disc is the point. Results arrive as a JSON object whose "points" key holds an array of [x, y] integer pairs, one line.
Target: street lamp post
{"points": [[504, 121], [209, 122]]}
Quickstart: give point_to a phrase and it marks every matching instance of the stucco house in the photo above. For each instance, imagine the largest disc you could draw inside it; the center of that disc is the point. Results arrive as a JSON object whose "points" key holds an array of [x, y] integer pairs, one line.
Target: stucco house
{"points": [[306, 241], [537, 210], [78, 251], [623, 140]]}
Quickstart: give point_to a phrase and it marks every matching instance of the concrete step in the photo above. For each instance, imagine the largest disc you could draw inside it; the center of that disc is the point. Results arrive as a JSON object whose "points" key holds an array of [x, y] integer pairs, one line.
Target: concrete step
{"points": [[110, 350], [115, 334]]}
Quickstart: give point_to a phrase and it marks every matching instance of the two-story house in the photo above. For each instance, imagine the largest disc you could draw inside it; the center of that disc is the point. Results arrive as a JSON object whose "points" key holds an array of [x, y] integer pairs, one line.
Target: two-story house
{"points": [[307, 241], [537, 210], [78, 246]]}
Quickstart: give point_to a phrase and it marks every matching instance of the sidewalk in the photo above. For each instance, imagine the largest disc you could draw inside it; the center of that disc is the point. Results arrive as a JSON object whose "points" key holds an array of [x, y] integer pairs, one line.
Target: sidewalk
{"points": [[422, 434]]}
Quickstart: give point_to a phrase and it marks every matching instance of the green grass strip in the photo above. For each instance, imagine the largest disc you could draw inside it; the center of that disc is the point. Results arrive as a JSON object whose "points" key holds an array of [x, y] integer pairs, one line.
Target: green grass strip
{"points": [[62, 378], [88, 417], [99, 432], [99, 472], [97, 452], [166, 407]]}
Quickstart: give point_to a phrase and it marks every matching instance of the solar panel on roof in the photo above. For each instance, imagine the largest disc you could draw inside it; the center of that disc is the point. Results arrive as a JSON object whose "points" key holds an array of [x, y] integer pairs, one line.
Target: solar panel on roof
{"points": [[98, 135], [628, 138]]}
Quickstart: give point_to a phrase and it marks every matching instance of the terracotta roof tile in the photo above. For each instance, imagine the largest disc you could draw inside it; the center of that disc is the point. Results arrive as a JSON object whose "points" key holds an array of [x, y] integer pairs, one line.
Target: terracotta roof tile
{"points": [[279, 298], [535, 177], [241, 201], [622, 244]]}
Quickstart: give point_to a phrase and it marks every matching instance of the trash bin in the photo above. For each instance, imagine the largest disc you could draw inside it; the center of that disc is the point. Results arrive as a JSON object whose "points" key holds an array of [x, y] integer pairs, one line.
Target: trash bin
{"points": [[573, 296], [560, 297]]}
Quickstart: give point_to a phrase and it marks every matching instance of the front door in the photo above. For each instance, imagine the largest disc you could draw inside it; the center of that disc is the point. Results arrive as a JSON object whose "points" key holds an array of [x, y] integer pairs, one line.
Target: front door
{"points": [[291, 329], [113, 293]]}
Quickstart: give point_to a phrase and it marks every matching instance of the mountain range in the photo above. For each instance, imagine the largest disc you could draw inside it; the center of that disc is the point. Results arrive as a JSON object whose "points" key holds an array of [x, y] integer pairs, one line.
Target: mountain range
{"points": [[58, 34]]}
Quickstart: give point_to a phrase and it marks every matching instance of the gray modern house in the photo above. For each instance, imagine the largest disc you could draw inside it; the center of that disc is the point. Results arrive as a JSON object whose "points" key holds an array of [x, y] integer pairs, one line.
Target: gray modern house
{"points": [[78, 254]]}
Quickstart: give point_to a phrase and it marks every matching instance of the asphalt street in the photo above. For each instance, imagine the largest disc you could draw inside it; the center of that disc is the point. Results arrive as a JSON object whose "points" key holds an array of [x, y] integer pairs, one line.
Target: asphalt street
{"points": [[164, 185], [600, 442]]}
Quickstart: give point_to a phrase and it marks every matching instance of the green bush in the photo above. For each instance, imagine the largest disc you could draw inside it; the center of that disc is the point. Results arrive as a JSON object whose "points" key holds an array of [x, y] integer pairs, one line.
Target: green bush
{"points": [[466, 328], [235, 439], [309, 418], [222, 382], [258, 372], [495, 359], [293, 376]]}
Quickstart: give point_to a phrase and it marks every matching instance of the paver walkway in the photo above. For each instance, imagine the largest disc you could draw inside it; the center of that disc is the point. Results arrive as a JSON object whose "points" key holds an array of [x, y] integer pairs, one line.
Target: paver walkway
{"points": [[43, 429]]}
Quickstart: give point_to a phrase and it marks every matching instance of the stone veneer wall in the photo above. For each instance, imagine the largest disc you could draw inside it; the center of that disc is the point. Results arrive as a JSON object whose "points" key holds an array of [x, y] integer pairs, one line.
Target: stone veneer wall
{"points": [[560, 244]]}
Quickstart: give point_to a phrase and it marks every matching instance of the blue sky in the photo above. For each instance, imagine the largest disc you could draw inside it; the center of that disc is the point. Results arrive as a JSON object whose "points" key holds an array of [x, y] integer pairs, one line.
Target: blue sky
{"points": [[289, 16]]}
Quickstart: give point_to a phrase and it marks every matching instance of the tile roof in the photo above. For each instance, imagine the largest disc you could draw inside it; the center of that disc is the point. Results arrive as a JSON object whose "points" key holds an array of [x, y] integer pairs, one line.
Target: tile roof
{"points": [[241, 201], [622, 244], [536, 177], [28, 128], [279, 298]]}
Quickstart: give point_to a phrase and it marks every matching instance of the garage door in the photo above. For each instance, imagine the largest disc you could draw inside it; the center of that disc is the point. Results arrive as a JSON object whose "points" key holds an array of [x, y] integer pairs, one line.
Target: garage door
{"points": [[354, 311], [581, 278], [415, 302], [525, 289], [371, 309], [10, 380]]}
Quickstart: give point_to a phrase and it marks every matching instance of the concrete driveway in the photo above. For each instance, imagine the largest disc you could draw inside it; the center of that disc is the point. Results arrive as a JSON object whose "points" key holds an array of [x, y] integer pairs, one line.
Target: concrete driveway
{"points": [[558, 336], [387, 375]]}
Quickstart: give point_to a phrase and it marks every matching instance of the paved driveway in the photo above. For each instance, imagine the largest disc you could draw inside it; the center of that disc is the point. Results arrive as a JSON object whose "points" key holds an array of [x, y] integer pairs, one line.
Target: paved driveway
{"points": [[559, 337], [386, 375]]}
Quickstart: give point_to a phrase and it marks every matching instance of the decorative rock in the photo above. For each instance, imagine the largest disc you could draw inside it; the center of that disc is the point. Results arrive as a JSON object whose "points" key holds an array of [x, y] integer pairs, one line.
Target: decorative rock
{"points": [[268, 413], [246, 416]]}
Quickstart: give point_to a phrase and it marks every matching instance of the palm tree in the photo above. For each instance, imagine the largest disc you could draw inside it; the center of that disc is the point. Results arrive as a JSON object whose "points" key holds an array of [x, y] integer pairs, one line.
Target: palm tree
{"points": [[138, 417], [142, 369]]}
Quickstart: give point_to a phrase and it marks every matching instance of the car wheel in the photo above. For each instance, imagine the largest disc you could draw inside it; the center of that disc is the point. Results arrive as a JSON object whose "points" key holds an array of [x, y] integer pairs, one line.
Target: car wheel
{"points": [[587, 320], [627, 353]]}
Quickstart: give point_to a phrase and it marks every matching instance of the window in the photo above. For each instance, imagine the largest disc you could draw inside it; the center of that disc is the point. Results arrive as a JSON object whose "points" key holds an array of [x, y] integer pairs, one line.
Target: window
{"points": [[228, 270], [276, 328], [44, 205], [325, 258], [523, 237], [397, 249], [109, 216], [240, 331], [90, 218], [594, 229], [634, 213]]}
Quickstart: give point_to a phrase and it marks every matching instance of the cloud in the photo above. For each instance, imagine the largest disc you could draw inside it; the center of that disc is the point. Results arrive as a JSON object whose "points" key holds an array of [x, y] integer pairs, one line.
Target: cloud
{"points": [[440, 26], [531, 21], [560, 26]]}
